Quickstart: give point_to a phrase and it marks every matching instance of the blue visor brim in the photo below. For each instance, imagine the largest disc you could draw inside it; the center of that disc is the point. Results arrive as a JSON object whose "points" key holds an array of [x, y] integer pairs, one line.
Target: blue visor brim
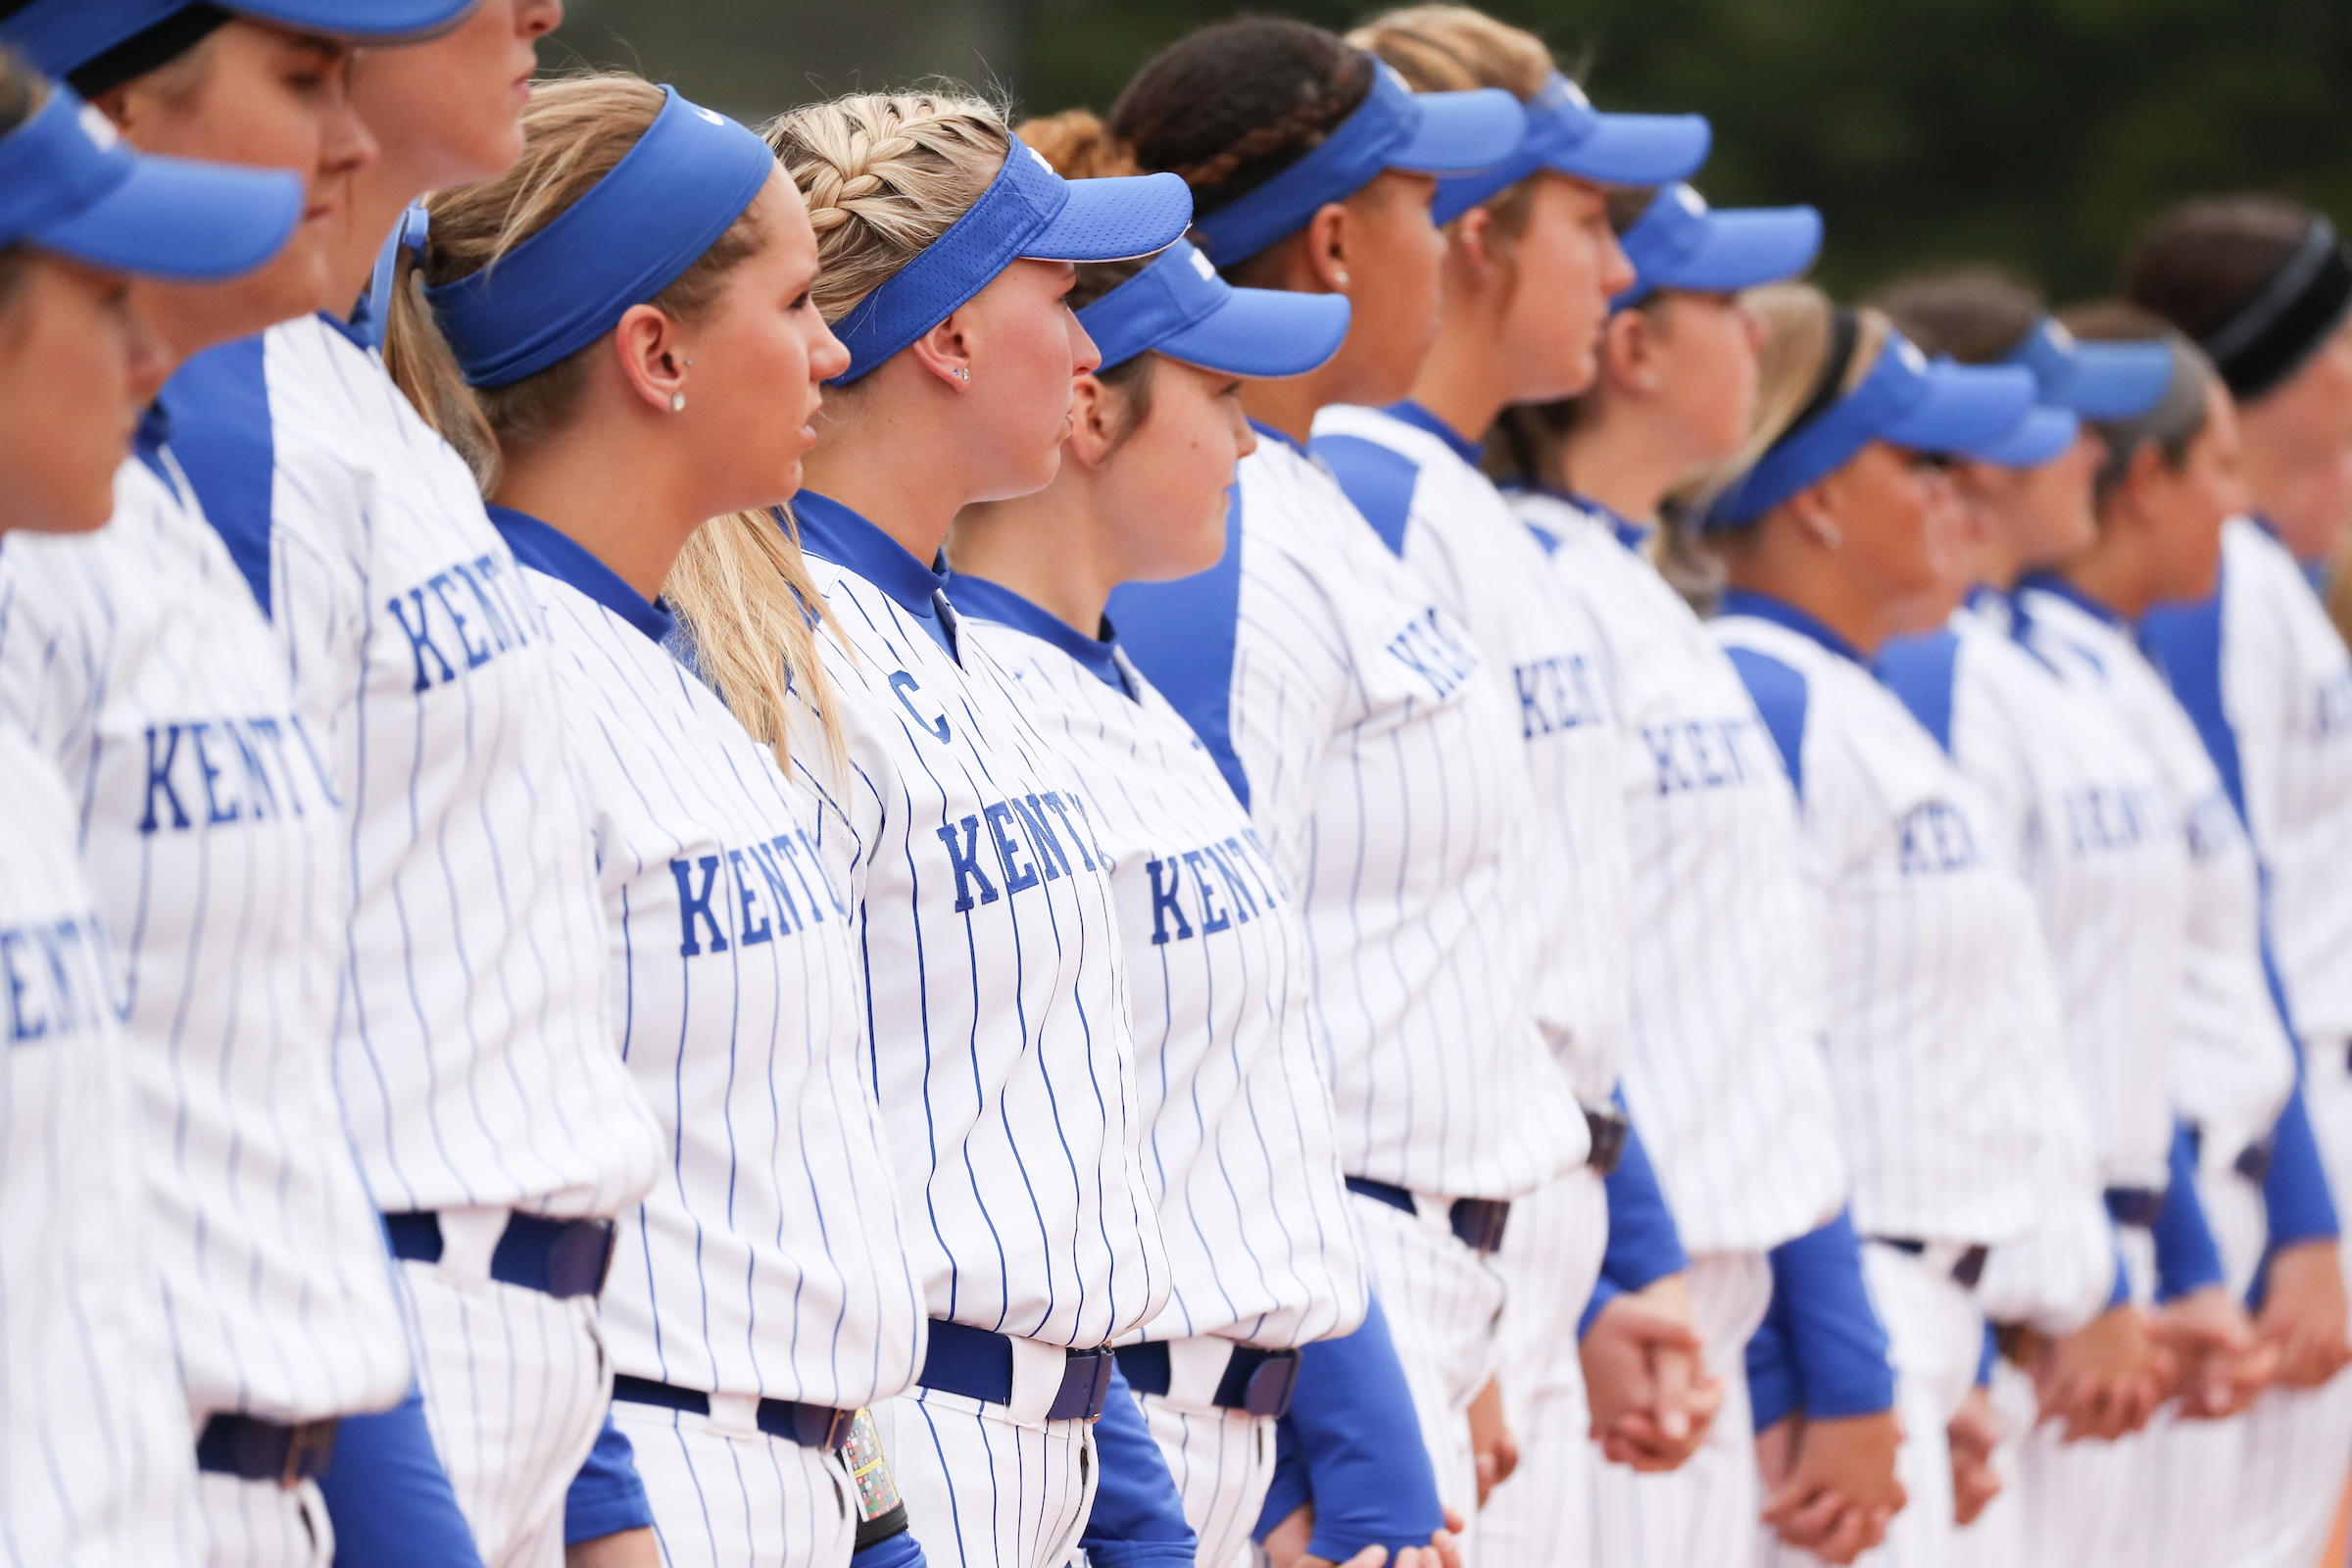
{"points": [[1637, 150], [359, 18], [1742, 248], [1964, 405], [1461, 132], [1112, 219], [1263, 333], [2044, 436], [2113, 380], [185, 221]]}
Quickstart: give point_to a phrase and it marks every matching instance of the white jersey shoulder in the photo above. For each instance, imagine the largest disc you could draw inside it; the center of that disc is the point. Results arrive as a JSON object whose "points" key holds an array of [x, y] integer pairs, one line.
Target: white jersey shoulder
{"points": [[473, 1057], [1238, 1143], [768, 1258], [998, 1033], [137, 660], [1723, 1069], [1937, 1000], [96, 1461]]}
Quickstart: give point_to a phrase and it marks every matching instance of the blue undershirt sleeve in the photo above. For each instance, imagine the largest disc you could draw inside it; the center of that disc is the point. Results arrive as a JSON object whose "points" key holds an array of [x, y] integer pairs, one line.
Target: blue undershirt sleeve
{"points": [[607, 1497], [1772, 1390], [388, 1497], [2295, 1190], [1834, 1334], [1138, 1518], [1645, 1246], [2187, 1259]]}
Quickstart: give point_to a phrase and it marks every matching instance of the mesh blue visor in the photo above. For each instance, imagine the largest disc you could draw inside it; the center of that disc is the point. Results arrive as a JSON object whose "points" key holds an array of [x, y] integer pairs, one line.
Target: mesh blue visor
{"points": [[1028, 211], [1566, 134], [1682, 243], [1394, 127], [69, 185], [63, 35], [2097, 380], [1942, 408], [2044, 436], [1180, 307]]}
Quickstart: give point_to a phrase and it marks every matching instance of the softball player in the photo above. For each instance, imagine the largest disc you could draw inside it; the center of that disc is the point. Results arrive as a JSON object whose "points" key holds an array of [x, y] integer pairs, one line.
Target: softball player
{"points": [[761, 1292], [1238, 1148], [1344, 703], [137, 660], [1723, 1068], [2269, 682], [1940, 1127], [970, 854], [94, 1463]]}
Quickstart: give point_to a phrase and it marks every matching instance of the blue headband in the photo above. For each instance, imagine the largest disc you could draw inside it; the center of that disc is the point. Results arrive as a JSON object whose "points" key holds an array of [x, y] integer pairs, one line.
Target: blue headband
{"points": [[63, 35], [1027, 210], [1180, 307], [1394, 127], [690, 176]]}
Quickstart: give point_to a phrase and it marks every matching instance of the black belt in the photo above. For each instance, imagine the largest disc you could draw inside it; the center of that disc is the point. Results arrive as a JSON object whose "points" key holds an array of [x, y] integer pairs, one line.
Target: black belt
{"points": [[1477, 1221], [1255, 1381], [812, 1426], [557, 1257], [2134, 1207], [1610, 1131], [1967, 1271], [252, 1449], [2253, 1161], [978, 1365]]}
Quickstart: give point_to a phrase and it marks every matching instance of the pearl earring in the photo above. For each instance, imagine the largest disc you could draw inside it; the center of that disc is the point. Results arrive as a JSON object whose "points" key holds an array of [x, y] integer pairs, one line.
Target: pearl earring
{"points": [[962, 374], [1340, 278], [677, 403], [1828, 535]]}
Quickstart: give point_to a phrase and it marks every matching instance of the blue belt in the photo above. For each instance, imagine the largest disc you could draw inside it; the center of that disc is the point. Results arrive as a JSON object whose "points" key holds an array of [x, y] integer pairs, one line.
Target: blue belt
{"points": [[1477, 1221], [978, 1364], [2134, 1207], [812, 1426], [1967, 1271], [1255, 1381], [252, 1449], [557, 1257]]}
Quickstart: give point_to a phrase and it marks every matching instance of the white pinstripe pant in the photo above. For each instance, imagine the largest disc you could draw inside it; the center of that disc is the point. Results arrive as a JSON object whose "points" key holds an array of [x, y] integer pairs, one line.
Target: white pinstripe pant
{"points": [[260, 1524], [1702, 1515], [516, 1388], [1541, 1517], [1223, 1462], [983, 1490], [726, 1494]]}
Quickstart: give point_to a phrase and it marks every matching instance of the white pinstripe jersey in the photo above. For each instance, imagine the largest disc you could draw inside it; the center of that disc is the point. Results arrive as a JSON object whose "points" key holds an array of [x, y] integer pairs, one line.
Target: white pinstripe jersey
{"points": [[134, 657], [1723, 1070], [768, 1258], [94, 1456], [1422, 492], [1237, 1141], [1386, 778], [472, 1049], [983, 921], [1930, 947], [2233, 1064]]}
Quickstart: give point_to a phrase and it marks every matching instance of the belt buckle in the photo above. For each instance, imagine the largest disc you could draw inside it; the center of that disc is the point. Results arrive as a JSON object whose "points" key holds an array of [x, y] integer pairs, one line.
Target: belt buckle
{"points": [[307, 1440], [1608, 1132], [1969, 1268], [1085, 1384], [579, 1257], [1269, 1389], [1478, 1222]]}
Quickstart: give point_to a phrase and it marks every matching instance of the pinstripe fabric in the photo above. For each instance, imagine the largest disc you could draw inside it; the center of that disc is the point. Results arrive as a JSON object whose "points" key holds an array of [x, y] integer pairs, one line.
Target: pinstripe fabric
{"points": [[1541, 1517], [726, 1494], [94, 1458], [1723, 1069], [135, 658], [1926, 931], [983, 1491], [1223, 1463], [768, 1259], [259, 1524], [1702, 1515]]}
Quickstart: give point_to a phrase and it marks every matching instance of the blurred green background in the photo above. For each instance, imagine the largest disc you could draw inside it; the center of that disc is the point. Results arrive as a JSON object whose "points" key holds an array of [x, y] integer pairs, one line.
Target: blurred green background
{"points": [[2040, 133]]}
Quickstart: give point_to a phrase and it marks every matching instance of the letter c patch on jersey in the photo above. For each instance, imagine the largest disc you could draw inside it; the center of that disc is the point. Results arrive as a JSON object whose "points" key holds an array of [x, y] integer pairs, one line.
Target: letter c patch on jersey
{"points": [[937, 723]]}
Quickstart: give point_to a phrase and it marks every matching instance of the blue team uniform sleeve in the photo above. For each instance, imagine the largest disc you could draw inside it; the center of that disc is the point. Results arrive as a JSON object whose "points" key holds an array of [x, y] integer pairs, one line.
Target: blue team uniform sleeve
{"points": [[1351, 1445], [901, 1550], [388, 1497], [1986, 1357], [2187, 1259], [1833, 1335], [1773, 1393], [607, 1497], [1645, 1246], [2295, 1190], [1138, 1518]]}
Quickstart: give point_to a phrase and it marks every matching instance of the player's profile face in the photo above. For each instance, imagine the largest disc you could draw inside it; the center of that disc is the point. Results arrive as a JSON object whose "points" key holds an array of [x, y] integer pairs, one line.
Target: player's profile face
{"points": [[448, 111], [1024, 349], [1891, 509], [78, 367], [1164, 486], [2187, 503], [1394, 263], [2298, 449], [1701, 355], [1562, 270]]}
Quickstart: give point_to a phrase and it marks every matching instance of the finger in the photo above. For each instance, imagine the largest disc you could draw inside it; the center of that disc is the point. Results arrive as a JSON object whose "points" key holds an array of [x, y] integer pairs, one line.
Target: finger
{"points": [[1674, 1375], [1369, 1558]]}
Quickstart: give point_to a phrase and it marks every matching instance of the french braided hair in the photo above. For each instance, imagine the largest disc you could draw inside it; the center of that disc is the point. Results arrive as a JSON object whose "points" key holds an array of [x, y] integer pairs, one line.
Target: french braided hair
{"points": [[884, 176], [23, 93]]}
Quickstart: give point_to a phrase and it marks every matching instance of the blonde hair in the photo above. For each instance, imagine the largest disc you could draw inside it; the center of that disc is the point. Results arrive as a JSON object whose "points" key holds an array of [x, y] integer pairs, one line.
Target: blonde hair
{"points": [[1441, 48], [576, 131], [884, 176]]}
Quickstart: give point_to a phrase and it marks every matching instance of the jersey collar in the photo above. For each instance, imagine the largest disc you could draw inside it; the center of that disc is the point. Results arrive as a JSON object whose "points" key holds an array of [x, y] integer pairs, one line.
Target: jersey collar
{"points": [[831, 532], [2050, 582], [991, 601], [1420, 419], [1630, 534], [1764, 606], [549, 550]]}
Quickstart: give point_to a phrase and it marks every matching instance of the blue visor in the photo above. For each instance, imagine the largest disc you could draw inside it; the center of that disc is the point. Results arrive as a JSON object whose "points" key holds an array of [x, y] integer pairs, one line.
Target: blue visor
{"points": [[1681, 242], [1180, 307], [69, 185], [2097, 380], [1566, 134], [1027, 210], [667, 201], [2044, 436], [1942, 408], [63, 35], [1394, 127]]}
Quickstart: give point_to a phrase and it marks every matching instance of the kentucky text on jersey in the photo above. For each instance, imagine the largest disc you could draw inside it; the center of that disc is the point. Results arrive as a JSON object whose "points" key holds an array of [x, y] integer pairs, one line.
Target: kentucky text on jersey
{"points": [[433, 614], [55, 978], [777, 867], [1556, 694], [2103, 817], [1710, 754], [1936, 839], [1427, 648], [1021, 865], [229, 769], [1167, 887]]}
